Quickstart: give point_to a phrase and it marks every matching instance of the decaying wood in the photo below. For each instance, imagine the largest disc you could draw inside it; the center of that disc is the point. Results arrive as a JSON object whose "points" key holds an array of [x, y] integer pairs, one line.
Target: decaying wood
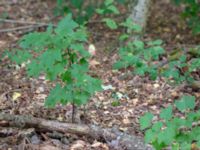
{"points": [[113, 138]]}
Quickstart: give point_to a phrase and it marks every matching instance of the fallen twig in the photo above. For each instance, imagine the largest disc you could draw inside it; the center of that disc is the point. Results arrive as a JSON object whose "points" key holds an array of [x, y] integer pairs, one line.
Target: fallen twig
{"points": [[20, 28], [23, 22], [8, 3]]}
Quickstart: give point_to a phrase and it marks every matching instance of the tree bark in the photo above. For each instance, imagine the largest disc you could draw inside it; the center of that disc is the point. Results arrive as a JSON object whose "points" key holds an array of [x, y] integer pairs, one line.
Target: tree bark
{"points": [[113, 138], [140, 12]]}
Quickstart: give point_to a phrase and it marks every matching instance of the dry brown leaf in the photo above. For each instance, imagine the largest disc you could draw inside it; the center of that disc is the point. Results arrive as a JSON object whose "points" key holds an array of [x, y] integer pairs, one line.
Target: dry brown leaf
{"points": [[40, 90], [174, 94], [197, 95], [78, 145], [92, 50], [93, 63], [16, 95], [156, 85], [41, 96], [126, 121], [135, 101], [48, 147], [106, 112], [123, 129], [178, 36], [3, 43], [60, 118], [99, 145], [166, 29]]}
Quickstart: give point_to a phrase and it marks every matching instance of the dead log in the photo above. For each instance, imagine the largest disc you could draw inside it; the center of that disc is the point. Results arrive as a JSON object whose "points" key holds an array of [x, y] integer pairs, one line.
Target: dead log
{"points": [[113, 138]]}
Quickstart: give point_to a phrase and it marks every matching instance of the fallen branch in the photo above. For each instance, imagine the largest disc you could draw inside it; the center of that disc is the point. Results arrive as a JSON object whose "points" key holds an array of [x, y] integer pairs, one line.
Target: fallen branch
{"points": [[20, 28], [23, 22], [30, 26], [113, 138], [8, 3]]}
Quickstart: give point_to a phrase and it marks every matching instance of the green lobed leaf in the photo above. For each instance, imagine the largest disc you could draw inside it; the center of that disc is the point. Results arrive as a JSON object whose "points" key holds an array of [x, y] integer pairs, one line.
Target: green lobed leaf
{"points": [[149, 136], [138, 44], [185, 103], [34, 69], [80, 48], [119, 65], [176, 123], [36, 41], [66, 25], [100, 11], [55, 71], [56, 95], [81, 97], [123, 37], [175, 146], [77, 3], [19, 56], [50, 57], [198, 142], [185, 146], [80, 35], [156, 52], [195, 64], [167, 135], [157, 126], [141, 69], [113, 9], [108, 2], [166, 113], [194, 134], [131, 26], [153, 73], [110, 23], [145, 121], [155, 43]]}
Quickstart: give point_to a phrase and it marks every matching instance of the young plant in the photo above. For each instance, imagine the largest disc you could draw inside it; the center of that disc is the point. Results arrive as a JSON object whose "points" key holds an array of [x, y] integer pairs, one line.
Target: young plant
{"points": [[59, 54], [171, 130], [108, 7], [142, 56], [145, 58], [83, 11]]}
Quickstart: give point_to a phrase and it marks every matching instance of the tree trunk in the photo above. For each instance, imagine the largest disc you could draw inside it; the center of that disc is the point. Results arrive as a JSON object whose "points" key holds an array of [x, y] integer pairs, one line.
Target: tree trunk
{"points": [[140, 12]]}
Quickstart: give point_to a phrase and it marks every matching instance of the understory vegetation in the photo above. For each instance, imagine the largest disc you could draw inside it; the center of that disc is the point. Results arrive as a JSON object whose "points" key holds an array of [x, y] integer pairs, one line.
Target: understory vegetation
{"points": [[59, 52]]}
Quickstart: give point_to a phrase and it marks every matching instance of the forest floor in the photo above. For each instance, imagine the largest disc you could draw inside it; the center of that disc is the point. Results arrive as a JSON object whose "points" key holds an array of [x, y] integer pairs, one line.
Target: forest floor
{"points": [[136, 95]]}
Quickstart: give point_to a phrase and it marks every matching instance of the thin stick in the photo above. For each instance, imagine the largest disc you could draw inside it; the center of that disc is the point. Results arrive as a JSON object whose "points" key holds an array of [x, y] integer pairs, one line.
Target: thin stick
{"points": [[9, 3], [73, 112], [22, 22], [20, 28]]}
